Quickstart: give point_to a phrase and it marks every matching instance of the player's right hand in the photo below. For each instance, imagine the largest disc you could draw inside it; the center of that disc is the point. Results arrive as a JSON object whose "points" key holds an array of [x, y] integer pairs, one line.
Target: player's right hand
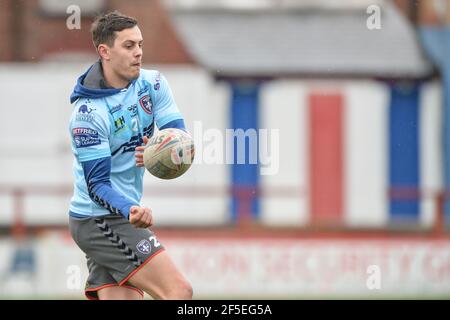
{"points": [[139, 155], [141, 217]]}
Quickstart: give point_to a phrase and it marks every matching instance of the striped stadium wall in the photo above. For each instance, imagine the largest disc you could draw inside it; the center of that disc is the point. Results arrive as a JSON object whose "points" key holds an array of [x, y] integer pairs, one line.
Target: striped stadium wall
{"points": [[352, 142], [283, 104], [403, 151], [326, 154]]}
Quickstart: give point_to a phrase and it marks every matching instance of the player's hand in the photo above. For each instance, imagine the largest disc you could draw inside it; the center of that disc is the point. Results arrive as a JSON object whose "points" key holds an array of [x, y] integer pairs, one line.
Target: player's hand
{"points": [[139, 155], [141, 217]]}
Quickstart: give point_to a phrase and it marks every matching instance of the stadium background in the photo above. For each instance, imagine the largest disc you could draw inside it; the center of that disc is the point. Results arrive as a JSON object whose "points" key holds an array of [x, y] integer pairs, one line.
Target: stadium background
{"points": [[359, 117]]}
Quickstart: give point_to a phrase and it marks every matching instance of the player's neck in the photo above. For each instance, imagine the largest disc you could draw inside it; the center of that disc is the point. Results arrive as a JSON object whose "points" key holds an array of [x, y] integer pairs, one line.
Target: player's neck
{"points": [[112, 79]]}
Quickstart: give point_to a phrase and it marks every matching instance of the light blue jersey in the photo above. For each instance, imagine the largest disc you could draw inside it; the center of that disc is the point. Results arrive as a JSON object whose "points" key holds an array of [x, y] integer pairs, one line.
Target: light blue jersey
{"points": [[109, 122]]}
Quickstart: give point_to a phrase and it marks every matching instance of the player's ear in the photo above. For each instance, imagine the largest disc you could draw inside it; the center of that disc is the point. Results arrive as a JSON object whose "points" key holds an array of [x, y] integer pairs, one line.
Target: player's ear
{"points": [[103, 51]]}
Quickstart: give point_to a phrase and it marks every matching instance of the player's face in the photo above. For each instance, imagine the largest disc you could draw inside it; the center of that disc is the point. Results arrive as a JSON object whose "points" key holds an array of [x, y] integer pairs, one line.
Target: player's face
{"points": [[126, 53]]}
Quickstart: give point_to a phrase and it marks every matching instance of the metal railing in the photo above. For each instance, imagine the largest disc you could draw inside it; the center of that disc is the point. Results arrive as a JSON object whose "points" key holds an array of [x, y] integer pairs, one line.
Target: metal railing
{"points": [[244, 196]]}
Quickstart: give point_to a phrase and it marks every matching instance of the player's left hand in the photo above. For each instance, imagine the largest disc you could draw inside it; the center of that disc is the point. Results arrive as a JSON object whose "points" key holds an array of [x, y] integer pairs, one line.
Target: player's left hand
{"points": [[139, 155], [141, 217]]}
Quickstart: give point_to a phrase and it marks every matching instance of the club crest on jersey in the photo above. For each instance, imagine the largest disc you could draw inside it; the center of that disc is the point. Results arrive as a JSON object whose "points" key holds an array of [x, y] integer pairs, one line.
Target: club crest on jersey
{"points": [[146, 104], [144, 246]]}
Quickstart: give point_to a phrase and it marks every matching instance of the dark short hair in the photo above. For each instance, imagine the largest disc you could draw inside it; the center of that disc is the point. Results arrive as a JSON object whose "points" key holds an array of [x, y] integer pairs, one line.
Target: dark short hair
{"points": [[105, 26]]}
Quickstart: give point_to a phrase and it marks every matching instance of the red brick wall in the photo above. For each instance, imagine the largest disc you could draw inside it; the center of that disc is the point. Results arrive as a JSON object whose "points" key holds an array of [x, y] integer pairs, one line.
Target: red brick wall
{"points": [[161, 43], [5, 30], [37, 35], [426, 10]]}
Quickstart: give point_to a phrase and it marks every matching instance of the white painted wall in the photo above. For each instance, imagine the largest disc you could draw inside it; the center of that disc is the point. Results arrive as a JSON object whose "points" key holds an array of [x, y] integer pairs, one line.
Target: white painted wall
{"points": [[284, 108], [431, 142], [35, 148], [35, 145], [366, 159]]}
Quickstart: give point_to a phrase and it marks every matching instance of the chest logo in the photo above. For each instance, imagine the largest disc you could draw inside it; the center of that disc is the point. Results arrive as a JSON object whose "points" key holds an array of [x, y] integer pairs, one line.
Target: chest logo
{"points": [[119, 123], [133, 110], [146, 104]]}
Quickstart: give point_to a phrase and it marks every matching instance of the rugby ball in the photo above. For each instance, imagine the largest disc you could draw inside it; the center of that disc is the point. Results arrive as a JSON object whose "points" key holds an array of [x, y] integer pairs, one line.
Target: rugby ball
{"points": [[169, 153]]}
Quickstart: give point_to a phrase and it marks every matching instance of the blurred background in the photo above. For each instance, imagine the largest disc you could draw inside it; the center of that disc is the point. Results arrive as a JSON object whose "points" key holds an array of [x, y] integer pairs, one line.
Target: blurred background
{"points": [[346, 109]]}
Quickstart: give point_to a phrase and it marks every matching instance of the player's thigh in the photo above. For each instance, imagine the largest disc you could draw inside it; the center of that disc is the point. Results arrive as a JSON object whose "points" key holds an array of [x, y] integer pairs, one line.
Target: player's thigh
{"points": [[119, 293], [161, 279]]}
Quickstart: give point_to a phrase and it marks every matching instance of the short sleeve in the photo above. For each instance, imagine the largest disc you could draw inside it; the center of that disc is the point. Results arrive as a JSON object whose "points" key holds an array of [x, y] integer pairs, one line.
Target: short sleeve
{"points": [[165, 108], [89, 132]]}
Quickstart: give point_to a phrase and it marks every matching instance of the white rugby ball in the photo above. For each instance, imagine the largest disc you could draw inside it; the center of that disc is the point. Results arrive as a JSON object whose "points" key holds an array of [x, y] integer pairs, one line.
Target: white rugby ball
{"points": [[169, 153]]}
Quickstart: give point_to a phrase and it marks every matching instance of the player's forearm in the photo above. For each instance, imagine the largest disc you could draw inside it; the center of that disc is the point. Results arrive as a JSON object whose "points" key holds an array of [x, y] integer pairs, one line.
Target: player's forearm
{"points": [[104, 195], [96, 173]]}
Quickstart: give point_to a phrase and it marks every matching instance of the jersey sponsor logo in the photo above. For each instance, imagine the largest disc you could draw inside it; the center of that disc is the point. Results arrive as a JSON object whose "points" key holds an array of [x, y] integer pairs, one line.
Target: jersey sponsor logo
{"points": [[146, 104], [143, 90], [157, 85], [84, 131], [85, 117], [85, 109], [85, 137], [144, 246], [115, 109], [133, 109], [119, 123], [84, 114]]}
